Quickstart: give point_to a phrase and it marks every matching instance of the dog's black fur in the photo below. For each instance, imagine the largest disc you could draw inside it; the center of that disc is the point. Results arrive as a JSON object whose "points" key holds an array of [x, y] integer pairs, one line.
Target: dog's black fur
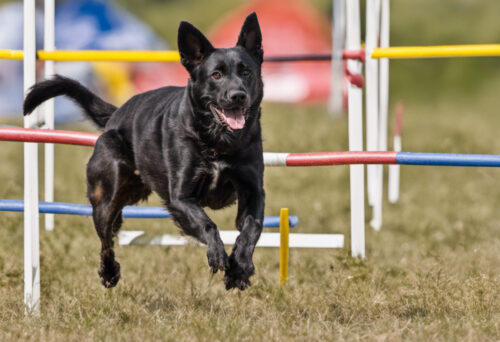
{"points": [[195, 146]]}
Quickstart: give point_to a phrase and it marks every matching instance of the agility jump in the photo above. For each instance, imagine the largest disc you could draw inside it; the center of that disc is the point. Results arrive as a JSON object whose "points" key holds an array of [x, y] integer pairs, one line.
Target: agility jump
{"points": [[281, 159]]}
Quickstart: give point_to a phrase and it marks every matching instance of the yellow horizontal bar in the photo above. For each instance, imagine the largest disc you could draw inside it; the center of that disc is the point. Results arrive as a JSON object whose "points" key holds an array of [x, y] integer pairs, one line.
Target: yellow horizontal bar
{"points": [[437, 51], [173, 56], [97, 55], [110, 56], [11, 54]]}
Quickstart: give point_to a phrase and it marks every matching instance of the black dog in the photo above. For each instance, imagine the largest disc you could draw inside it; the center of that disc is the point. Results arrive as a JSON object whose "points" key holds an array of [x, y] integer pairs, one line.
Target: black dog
{"points": [[196, 146]]}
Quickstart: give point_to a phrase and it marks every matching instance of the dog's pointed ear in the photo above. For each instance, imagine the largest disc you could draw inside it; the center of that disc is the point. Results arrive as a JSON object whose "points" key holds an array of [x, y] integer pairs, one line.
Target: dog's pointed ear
{"points": [[250, 37], [193, 46]]}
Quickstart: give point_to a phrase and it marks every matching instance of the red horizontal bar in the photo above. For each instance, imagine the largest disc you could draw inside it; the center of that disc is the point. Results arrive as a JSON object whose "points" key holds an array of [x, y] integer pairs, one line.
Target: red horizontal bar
{"points": [[341, 158], [47, 136]]}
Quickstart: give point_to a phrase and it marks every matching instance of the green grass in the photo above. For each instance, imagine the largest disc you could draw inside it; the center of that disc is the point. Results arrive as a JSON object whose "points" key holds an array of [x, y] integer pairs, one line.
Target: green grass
{"points": [[432, 273]]}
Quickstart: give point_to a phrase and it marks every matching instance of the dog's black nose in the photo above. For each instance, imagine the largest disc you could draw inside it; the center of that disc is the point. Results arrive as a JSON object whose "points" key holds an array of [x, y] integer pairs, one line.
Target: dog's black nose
{"points": [[238, 97]]}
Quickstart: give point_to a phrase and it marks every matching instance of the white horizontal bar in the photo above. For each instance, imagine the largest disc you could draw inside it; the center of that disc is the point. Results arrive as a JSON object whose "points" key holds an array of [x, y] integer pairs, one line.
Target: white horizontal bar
{"points": [[128, 237], [275, 159]]}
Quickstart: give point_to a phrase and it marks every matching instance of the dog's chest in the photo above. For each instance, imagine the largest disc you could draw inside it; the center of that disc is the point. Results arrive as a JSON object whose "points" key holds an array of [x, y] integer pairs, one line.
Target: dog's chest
{"points": [[216, 169], [216, 190]]}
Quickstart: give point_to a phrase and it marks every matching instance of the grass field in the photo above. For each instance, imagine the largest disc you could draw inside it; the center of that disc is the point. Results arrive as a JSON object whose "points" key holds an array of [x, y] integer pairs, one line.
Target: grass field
{"points": [[432, 273]]}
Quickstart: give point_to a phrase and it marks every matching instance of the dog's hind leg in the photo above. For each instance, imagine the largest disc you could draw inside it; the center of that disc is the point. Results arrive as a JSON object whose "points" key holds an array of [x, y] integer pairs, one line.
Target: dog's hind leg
{"points": [[107, 219], [111, 184]]}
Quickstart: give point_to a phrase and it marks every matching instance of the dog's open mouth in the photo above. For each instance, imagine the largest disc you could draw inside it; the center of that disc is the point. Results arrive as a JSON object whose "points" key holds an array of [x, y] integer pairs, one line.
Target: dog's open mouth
{"points": [[233, 118]]}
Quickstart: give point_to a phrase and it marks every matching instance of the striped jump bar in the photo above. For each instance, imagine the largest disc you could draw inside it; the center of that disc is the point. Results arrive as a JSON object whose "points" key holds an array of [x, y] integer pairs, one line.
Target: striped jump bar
{"points": [[377, 157], [280, 159]]}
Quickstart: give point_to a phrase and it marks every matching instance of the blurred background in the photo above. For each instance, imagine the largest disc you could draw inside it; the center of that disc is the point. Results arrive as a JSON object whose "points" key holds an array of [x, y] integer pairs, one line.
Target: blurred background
{"points": [[289, 27]]}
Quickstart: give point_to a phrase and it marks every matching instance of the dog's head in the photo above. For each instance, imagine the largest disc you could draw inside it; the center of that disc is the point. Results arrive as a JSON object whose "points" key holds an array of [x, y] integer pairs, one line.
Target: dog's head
{"points": [[225, 84]]}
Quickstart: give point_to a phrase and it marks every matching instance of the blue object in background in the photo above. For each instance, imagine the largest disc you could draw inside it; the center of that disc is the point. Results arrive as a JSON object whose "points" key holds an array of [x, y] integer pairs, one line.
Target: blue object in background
{"points": [[79, 25], [101, 25]]}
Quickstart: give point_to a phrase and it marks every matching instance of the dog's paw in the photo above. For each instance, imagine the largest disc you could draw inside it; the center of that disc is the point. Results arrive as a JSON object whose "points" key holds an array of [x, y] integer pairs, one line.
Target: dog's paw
{"points": [[239, 273], [232, 283], [109, 273], [217, 258]]}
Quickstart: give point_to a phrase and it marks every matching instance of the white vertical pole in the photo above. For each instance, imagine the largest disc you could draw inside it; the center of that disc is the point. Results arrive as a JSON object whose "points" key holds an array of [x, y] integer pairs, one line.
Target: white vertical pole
{"points": [[355, 106], [31, 233], [394, 170], [384, 75], [383, 108], [393, 193], [372, 119], [383, 94], [49, 45], [337, 73]]}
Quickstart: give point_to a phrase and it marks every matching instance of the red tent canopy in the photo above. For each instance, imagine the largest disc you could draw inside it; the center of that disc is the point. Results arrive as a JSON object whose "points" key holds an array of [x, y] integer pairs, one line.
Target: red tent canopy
{"points": [[289, 27]]}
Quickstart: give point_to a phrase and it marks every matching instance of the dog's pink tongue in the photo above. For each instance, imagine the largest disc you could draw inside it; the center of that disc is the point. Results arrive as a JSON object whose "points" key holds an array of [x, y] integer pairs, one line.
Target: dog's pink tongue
{"points": [[235, 118]]}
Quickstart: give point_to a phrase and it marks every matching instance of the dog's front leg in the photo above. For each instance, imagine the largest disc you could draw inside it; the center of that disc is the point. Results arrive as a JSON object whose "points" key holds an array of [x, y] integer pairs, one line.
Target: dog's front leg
{"points": [[184, 204], [249, 221], [193, 220]]}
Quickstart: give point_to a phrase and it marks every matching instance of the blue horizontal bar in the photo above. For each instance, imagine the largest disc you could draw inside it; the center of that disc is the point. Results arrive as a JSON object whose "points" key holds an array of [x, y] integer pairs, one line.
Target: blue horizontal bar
{"points": [[128, 211], [274, 221], [447, 159]]}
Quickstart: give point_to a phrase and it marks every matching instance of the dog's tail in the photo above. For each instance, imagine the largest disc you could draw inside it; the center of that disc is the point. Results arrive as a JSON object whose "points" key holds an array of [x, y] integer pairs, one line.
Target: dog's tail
{"points": [[94, 107]]}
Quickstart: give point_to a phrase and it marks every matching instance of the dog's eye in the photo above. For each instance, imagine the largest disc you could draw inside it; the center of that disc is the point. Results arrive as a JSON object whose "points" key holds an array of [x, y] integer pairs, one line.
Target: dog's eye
{"points": [[216, 75], [246, 72]]}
